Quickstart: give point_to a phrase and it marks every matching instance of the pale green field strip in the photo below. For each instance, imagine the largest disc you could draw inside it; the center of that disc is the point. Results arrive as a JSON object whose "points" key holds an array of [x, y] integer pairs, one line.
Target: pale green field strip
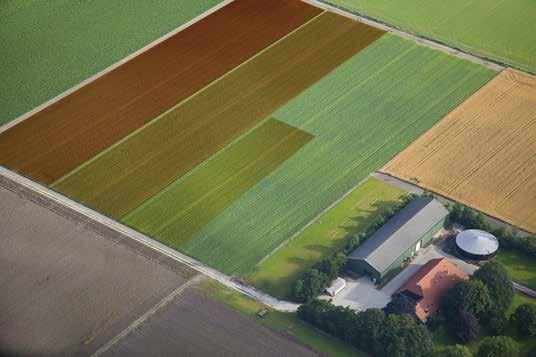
{"points": [[496, 29], [126, 175], [362, 114], [49, 46], [176, 213], [327, 235]]}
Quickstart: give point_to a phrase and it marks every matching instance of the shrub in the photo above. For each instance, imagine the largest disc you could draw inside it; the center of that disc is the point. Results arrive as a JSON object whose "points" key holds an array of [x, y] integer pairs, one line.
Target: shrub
{"points": [[524, 318], [455, 351], [498, 346]]}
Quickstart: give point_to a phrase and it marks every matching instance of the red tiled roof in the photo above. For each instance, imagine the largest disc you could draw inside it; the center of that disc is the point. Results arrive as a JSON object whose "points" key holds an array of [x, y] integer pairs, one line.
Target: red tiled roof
{"points": [[431, 282]]}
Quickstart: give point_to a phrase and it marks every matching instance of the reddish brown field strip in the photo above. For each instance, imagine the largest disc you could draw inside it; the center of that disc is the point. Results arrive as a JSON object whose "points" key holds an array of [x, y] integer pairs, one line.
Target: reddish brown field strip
{"points": [[62, 136], [128, 174]]}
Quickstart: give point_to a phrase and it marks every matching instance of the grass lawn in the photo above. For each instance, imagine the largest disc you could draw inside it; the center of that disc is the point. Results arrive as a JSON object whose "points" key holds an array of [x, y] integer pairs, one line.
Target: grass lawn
{"points": [[50, 46], [361, 115], [287, 323], [328, 234], [500, 30], [520, 266]]}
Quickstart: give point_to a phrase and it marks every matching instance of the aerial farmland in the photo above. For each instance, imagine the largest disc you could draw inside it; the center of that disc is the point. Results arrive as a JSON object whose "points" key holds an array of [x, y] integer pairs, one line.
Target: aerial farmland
{"points": [[253, 141]]}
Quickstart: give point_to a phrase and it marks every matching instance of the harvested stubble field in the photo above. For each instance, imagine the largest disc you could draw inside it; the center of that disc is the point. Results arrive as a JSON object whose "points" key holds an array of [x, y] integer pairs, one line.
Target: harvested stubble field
{"points": [[483, 153], [64, 135], [361, 115], [500, 30], [175, 214], [48, 47], [123, 177]]}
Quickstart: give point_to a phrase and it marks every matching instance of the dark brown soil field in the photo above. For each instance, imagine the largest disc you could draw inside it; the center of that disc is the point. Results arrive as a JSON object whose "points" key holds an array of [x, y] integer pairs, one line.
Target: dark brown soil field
{"points": [[62, 136], [67, 290], [70, 286], [142, 165], [193, 325]]}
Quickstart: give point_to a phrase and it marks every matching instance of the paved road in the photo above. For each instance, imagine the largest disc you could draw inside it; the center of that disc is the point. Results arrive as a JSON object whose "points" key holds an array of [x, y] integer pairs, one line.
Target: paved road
{"points": [[44, 193]]}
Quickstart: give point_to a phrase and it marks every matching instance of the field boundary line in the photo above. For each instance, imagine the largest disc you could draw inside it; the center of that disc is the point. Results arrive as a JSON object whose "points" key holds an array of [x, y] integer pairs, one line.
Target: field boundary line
{"points": [[112, 67], [430, 43], [148, 314], [280, 305], [184, 101]]}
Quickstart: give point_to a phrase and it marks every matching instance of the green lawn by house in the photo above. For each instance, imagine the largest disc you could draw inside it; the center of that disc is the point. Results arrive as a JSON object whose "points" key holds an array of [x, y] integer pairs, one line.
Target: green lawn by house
{"points": [[520, 266], [329, 233]]}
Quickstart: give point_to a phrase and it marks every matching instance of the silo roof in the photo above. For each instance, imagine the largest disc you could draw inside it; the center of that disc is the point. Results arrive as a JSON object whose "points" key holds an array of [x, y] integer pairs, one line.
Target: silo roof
{"points": [[477, 242]]}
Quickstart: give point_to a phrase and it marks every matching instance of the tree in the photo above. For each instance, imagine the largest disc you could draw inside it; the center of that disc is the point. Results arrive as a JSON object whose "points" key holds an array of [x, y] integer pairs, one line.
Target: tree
{"points": [[368, 329], [496, 279], [472, 296], [532, 352], [498, 346], [455, 351], [464, 326], [332, 266], [497, 324], [399, 305], [524, 318], [310, 285], [403, 337]]}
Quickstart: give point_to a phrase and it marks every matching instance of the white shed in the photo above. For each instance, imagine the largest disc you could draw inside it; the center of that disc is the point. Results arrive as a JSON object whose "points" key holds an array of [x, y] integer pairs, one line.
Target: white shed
{"points": [[336, 286]]}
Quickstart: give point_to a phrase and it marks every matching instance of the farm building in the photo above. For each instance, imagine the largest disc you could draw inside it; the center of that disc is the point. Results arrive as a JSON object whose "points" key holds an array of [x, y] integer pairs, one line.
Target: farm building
{"points": [[428, 285], [474, 244], [382, 254]]}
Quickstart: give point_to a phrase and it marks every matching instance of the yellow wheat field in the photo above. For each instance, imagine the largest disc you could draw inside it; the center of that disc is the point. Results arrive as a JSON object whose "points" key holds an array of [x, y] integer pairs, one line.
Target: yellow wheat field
{"points": [[482, 154]]}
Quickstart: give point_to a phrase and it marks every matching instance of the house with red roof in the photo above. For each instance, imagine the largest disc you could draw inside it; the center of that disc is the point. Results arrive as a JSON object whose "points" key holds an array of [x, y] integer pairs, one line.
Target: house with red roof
{"points": [[428, 286]]}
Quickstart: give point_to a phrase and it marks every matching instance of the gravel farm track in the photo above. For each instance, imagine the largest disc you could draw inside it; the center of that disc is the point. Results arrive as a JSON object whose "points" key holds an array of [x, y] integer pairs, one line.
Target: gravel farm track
{"points": [[95, 291]]}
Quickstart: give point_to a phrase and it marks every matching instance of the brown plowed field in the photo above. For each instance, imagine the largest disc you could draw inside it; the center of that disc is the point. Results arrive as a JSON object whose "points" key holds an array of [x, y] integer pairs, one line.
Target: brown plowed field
{"points": [[142, 165], [483, 154], [59, 138]]}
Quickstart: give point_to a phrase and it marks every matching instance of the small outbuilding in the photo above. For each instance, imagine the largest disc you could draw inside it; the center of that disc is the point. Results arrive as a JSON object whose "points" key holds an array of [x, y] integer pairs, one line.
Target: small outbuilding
{"points": [[382, 254], [476, 245], [336, 287]]}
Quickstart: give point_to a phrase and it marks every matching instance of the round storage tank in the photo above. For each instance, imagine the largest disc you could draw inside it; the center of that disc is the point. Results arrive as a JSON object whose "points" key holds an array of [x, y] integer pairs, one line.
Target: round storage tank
{"points": [[474, 244]]}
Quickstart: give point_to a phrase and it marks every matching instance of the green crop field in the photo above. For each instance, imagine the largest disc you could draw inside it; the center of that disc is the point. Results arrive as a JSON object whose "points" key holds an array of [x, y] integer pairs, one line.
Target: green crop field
{"points": [[328, 234], [499, 30], [48, 47], [176, 213], [361, 115]]}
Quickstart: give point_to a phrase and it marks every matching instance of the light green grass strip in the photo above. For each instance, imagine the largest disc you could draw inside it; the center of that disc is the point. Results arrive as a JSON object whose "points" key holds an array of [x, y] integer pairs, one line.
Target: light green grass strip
{"points": [[361, 114], [520, 266], [48, 47], [328, 234], [496, 29]]}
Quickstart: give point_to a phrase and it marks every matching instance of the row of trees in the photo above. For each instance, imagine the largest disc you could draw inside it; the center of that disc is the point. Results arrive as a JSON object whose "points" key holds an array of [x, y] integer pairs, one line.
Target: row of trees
{"points": [[507, 238], [371, 330], [496, 346], [314, 280], [482, 300]]}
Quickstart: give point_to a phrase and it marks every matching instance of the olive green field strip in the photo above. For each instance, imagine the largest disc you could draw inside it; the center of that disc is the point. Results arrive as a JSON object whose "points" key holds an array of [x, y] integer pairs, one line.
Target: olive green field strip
{"points": [[62, 136], [175, 214], [361, 114], [129, 173]]}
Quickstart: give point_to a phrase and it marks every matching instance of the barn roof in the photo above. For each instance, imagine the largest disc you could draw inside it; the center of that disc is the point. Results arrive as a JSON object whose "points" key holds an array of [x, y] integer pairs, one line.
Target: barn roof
{"points": [[399, 233]]}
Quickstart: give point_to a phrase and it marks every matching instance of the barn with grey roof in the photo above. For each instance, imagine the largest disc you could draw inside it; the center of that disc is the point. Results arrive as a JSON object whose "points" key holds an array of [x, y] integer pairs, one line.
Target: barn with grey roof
{"points": [[383, 253]]}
